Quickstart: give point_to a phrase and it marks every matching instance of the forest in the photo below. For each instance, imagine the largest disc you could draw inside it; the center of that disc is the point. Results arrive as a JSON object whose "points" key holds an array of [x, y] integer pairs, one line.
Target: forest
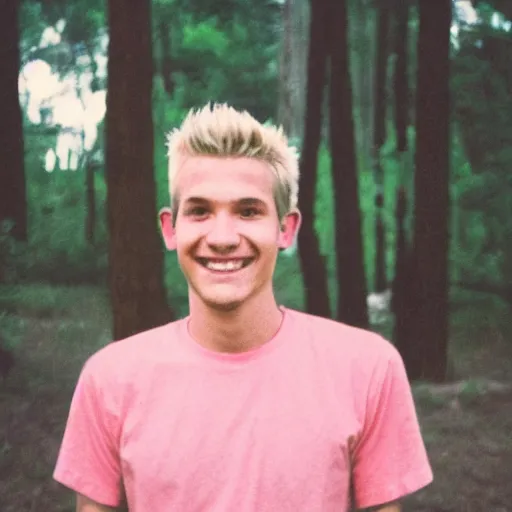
{"points": [[400, 110]]}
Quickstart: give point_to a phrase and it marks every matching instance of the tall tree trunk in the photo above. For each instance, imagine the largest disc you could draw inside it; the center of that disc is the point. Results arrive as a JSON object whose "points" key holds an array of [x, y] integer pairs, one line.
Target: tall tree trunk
{"points": [[401, 114], [401, 282], [400, 76], [379, 137], [312, 263], [431, 213], [166, 67], [135, 249], [293, 59], [300, 18], [90, 202], [381, 280], [284, 108], [349, 247], [13, 201], [380, 84], [362, 35]]}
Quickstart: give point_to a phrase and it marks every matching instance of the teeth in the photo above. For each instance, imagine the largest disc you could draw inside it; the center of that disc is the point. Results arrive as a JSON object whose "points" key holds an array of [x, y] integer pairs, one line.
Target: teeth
{"points": [[225, 266]]}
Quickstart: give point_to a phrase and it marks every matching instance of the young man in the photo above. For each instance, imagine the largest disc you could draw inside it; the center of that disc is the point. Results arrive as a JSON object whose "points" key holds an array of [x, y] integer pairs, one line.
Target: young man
{"points": [[245, 405]]}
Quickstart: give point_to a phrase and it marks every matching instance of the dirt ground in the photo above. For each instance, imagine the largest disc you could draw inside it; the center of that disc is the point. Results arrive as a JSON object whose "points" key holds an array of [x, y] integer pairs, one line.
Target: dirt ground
{"points": [[467, 425]]}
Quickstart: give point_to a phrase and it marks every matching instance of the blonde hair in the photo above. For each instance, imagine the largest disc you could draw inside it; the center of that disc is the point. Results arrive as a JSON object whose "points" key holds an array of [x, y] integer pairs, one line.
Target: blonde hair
{"points": [[220, 130]]}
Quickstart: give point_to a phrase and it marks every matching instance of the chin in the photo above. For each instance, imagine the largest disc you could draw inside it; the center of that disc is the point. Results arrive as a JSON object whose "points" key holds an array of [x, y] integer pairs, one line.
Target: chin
{"points": [[223, 306], [224, 302], [226, 298]]}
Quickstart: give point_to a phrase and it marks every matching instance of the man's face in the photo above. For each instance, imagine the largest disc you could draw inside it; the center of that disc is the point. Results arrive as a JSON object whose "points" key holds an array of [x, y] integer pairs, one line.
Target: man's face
{"points": [[227, 232]]}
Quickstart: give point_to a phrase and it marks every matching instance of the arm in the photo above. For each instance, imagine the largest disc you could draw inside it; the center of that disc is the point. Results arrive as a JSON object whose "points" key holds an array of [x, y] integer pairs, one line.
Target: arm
{"points": [[389, 458], [89, 461], [84, 504]]}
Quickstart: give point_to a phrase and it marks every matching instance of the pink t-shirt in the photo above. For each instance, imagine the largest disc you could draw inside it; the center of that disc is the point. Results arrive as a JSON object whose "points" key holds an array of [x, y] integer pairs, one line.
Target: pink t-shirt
{"points": [[320, 415]]}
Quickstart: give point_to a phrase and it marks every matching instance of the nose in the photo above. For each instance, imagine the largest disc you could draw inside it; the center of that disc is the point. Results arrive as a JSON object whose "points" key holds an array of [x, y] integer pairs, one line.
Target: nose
{"points": [[223, 234]]}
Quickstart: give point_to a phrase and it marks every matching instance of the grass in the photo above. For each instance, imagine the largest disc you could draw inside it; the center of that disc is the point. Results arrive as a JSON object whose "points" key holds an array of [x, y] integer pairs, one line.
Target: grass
{"points": [[52, 330]]}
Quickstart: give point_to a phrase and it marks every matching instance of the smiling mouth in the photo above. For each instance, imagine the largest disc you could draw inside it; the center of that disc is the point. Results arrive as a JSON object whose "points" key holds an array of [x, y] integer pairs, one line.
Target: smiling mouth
{"points": [[225, 265]]}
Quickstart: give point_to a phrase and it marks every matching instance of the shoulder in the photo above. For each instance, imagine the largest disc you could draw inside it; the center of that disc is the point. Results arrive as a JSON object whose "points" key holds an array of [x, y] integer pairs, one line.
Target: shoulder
{"points": [[359, 363], [121, 359], [342, 340], [355, 358]]}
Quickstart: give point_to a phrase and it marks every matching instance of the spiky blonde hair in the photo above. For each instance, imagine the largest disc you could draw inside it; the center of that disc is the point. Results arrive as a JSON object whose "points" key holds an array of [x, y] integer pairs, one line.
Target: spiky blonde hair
{"points": [[220, 130]]}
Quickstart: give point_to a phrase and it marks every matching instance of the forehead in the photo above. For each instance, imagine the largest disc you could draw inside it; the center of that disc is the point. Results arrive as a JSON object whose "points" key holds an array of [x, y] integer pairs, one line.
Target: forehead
{"points": [[224, 179]]}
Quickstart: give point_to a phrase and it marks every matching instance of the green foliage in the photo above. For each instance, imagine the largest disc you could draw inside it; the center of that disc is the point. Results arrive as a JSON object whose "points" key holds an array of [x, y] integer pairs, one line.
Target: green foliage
{"points": [[222, 52], [228, 51], [324, 213], [32, 24], [482, 83], [474, 315], [57, 250], [206, 39], [84, 20]]}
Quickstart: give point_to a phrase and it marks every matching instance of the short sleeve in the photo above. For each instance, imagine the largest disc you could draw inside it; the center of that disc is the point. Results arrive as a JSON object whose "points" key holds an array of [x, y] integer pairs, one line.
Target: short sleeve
{"points": [[389, 459], [88, 461]]}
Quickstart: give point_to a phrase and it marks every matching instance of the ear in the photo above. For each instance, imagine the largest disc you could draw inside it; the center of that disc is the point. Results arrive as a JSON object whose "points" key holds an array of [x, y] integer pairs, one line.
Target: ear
{"points": [[168, 231], [289, 228]]}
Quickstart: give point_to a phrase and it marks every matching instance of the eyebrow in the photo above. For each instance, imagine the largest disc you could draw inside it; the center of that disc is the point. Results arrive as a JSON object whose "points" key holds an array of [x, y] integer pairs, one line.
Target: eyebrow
{"points": [[245, 201]]}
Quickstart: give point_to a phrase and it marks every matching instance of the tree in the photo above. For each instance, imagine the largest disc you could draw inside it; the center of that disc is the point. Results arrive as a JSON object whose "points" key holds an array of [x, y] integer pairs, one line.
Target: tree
{"points": [[73, 56], [482, 86], [166, 66], [84, 22], [381, 73], [362, 40], [13, 203], [402, 334], [164, 13], [225, 50], [294, 45], [428, 359], [312, 262], [400, 75], [400, 286], [379, 136], [135, 250], [349, 248], [89, 168]]}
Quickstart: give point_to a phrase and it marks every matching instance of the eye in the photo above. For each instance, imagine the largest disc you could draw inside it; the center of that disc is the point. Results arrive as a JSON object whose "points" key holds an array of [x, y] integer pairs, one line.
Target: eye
{"points": [[249, 213], [196, 211]]}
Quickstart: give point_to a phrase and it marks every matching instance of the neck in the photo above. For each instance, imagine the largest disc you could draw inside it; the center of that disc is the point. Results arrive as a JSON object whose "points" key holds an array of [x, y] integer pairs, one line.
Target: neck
{"points": [[239, 330]]}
